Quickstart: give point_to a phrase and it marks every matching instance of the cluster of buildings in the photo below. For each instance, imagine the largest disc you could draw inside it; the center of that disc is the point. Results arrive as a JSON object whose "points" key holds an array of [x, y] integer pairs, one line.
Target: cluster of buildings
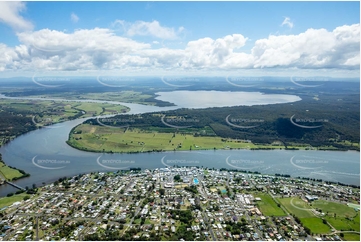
{"points": [[170, 203]]}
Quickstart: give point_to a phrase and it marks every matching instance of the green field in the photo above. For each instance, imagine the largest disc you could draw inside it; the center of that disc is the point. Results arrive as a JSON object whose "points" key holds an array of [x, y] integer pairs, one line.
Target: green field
{"points": [[301, 209], [106, 139], [344, 223], [8, 173], [123, 96], [298, 207], [47, 112], [7, 201], [341, 210], [316, 225], [351, 237], [268, 206]]}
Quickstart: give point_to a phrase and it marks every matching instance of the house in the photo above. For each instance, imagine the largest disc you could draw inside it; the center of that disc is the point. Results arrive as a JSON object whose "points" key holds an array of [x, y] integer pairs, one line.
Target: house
{"points": [[311, 198]]}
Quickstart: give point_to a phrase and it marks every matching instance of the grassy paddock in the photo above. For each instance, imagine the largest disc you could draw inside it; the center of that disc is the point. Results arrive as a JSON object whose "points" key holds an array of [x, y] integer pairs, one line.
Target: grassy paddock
{"points": [[8, 172], [316, 225], [351, 237], [268, 206], [105, 139], [297, 206], [7, 201]]}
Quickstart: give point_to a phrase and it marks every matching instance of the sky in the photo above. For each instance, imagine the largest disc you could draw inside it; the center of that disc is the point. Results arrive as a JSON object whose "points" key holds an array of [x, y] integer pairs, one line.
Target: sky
{"points": [[180, 38]]}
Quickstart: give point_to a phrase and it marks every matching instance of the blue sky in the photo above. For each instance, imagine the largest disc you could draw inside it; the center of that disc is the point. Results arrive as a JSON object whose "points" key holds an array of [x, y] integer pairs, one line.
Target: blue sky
{"points": [[263, 37]]}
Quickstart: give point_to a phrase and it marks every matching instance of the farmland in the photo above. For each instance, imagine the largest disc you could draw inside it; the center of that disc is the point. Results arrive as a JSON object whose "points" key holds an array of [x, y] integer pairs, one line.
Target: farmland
{"points": [[106, 139]]}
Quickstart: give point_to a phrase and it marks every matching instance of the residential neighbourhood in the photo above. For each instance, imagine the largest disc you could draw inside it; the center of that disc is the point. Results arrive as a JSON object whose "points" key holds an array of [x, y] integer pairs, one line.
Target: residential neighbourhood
{"points": [[182, 203]]}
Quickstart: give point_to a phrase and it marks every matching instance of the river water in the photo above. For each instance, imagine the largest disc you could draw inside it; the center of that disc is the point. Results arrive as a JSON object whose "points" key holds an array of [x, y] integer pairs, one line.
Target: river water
{"points": [[45, 155]]}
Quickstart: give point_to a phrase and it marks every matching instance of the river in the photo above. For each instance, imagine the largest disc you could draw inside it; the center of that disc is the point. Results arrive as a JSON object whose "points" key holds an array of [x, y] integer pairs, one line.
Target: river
{"points": [[45, 155]]}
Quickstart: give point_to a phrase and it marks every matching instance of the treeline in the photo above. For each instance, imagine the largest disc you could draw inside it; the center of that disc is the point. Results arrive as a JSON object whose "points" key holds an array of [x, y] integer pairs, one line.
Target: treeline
{"points": [[13, 124], [334, 119]]}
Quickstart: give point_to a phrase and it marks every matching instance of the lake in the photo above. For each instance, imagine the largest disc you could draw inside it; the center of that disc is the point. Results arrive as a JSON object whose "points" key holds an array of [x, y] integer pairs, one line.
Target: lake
{"points": [[206, 99]]}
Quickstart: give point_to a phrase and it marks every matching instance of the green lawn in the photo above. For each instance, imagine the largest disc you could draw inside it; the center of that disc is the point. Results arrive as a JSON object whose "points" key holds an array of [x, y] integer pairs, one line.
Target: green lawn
{"points": [[316, 225], [340, 209], [351, 237], [8, 173], [268, 206], [298, 207], [7, 201], [345, 224]]}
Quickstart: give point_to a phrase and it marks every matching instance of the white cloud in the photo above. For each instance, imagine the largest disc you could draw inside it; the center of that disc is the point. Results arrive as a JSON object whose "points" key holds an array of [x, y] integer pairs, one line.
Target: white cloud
{"points": [[102, 49], [74, 18], [143, 28], [10, 15], [287, 21]]}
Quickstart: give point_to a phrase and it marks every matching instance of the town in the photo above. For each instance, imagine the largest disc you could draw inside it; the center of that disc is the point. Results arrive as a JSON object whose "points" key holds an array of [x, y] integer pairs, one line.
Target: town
{"points": [[184, 203]]}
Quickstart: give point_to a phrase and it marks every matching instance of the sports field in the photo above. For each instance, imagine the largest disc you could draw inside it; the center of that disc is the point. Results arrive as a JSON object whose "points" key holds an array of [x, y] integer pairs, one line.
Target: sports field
{"points": [[268, 206], [302, 210], [342, 210]]}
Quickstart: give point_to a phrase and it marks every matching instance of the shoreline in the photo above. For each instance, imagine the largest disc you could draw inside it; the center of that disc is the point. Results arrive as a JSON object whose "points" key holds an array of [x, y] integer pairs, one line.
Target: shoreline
{"points": [[160, 151]]}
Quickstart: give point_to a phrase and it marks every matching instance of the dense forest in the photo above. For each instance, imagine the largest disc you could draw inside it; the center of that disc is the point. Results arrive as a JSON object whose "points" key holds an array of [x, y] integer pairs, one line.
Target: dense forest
{"points": [[13, 124]]}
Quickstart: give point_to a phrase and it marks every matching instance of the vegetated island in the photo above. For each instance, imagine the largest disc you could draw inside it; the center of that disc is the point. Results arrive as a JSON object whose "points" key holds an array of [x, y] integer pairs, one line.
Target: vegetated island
{"points": [[256, 127]]}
